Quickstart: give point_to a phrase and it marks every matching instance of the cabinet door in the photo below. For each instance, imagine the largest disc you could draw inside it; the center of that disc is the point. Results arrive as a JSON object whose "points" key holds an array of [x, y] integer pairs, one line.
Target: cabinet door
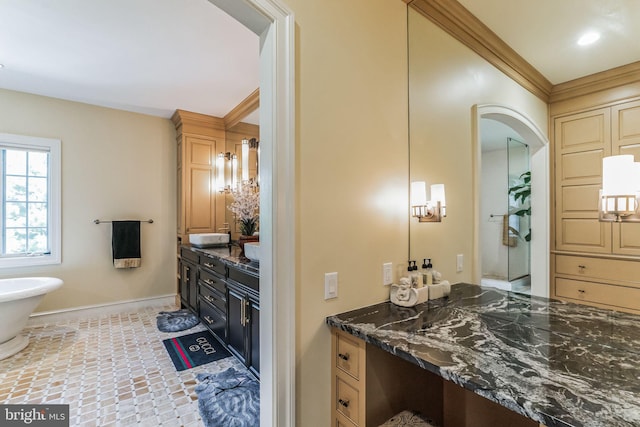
{"points": [[626, 140], [254, 331], [235, 318], [199, 196], [184, 283], [581, 141]]}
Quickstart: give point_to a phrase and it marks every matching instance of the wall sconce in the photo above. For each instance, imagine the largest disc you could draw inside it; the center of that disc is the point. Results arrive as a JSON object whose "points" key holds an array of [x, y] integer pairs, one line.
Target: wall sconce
{"points": [[427, 210], [226, 161], [247, 146], [620, 189]]}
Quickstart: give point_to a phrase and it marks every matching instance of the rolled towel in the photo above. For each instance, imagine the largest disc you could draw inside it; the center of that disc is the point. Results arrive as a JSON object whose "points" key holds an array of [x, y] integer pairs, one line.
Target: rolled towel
{"points": [[408, 297], [440, 290]]}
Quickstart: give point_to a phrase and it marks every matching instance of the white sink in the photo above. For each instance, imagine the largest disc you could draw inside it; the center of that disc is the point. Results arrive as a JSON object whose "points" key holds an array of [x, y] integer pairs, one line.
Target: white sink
{"points": [[252, 251]]}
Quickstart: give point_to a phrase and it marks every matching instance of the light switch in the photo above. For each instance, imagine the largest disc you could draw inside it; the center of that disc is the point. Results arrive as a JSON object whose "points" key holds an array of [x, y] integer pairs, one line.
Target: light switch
{"points": [[330, 285], [387, 273]]}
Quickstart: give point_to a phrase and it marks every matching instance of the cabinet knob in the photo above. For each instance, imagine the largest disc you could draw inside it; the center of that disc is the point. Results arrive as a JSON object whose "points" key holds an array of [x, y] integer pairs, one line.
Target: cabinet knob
{"points": [[208, 319], [344, 356], [582, 267], [344, 403], [582, 291]]}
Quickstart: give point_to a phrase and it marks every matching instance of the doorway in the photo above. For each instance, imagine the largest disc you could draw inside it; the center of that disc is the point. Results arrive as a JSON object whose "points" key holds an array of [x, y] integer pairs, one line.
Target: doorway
{"points": [[273, 22], [526, 133], [504, 208]]}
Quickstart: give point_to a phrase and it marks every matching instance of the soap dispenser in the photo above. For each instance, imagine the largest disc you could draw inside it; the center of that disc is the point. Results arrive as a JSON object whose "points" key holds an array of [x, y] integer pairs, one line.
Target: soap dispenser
{"points": [[413, 275], [428, 272]]}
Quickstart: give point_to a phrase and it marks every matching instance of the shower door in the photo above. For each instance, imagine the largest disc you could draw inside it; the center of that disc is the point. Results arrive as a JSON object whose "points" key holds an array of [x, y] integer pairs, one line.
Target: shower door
{"points": [[519, 177]]}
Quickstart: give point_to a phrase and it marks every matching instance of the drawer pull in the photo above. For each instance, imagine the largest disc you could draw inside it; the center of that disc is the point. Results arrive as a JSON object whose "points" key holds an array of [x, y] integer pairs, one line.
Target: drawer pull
{"points": [[208, 298], [582, 267], [344, 403], [582, 291], [208, 281], [208, 264], [208, 319], [344, 357]]}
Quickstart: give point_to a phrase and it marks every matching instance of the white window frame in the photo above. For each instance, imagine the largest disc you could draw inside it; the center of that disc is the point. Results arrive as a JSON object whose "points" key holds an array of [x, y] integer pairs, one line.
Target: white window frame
{"points": [[54, 203]]}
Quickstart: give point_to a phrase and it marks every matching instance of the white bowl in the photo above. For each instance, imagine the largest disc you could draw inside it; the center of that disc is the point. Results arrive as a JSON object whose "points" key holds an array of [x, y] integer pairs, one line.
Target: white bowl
{"points": [[252, 251]]}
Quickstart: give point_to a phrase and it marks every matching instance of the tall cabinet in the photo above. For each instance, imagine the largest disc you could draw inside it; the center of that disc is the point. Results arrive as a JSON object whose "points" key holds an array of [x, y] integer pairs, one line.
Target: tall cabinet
{"points": [[596, 263], [201, 209]]}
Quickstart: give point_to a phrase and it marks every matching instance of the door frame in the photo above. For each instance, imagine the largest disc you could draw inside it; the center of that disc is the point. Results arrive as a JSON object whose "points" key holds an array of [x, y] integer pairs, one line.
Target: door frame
{"points": [[274, 23], [540, 209]]}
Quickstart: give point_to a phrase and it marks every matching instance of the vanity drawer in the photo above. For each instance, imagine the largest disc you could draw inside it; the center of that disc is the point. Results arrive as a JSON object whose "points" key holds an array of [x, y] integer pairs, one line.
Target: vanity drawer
{"points": [[190, 255], [599, 268], [347, 400], [214, 298], [347, 357], [214, 265], [244, 278], [214, 319], [213, 281], [599, 293]]}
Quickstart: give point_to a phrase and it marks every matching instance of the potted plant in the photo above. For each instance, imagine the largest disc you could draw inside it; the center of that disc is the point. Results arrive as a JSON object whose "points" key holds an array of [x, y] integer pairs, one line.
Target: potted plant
{"points": [[521, 192], [245, 206]]}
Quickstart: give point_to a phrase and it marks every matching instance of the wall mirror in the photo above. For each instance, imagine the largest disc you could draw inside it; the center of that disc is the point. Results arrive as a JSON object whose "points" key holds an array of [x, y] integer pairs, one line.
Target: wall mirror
{"points": [[244, 127], [459, 105]]}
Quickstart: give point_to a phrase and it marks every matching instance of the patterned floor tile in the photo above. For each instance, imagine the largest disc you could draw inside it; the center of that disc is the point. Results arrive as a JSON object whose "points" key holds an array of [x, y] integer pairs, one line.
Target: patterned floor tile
{"points": [[112, 370]]}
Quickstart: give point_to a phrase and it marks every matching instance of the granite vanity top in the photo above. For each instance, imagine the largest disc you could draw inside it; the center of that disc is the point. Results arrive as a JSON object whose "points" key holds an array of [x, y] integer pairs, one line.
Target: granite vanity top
{"points": [[229, 255], [558, 363]]}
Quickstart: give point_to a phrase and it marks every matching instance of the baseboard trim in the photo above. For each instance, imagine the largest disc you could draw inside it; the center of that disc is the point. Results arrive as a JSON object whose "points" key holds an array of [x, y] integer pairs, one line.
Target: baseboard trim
{"points": [[101, 309]]}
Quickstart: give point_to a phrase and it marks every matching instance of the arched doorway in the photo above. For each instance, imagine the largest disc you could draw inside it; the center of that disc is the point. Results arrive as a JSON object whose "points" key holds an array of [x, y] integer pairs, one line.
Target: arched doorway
{"points": [[538, 145]]}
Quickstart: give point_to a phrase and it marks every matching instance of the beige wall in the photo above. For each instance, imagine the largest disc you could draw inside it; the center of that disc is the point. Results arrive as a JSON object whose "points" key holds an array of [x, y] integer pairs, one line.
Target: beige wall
{"points": [[351, 107], [446, 80], [115, 165]]}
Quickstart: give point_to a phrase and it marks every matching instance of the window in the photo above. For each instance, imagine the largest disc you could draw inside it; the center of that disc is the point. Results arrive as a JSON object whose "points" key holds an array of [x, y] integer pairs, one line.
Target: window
{"points": [[30, 198]]}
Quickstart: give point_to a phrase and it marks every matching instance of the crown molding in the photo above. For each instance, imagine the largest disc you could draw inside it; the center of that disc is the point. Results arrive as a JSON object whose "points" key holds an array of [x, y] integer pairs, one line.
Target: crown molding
{"points": [[456, 20], [240, 111]]}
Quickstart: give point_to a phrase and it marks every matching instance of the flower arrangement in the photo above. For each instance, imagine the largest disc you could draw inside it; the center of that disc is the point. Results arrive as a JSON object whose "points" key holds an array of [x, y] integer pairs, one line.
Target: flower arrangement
{"points": [[245, 206]]}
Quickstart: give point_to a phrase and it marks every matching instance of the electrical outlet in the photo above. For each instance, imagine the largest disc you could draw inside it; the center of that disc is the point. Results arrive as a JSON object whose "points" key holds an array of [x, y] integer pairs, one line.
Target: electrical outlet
{"points": [[330, 285], [459, 262], [387, 273]]}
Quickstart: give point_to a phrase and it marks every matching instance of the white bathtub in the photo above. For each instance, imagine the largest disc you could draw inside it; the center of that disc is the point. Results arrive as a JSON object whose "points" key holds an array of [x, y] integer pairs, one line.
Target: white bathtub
{"points": [[18, 298]]}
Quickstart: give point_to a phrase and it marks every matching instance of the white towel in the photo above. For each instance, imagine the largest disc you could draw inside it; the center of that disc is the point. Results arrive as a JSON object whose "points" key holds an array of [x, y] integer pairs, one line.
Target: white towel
{"points": [[405, 296], [440, 290]]}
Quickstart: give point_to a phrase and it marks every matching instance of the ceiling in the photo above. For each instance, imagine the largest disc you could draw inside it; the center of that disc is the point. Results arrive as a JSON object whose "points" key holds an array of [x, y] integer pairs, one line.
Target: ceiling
{"points": [[545, 33], [147, 56], [155, 56]]}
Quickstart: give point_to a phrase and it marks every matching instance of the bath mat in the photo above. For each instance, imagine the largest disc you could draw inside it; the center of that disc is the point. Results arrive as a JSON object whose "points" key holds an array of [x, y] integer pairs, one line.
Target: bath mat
{"points": [[228, 399], [175, 321], [193, 350]]}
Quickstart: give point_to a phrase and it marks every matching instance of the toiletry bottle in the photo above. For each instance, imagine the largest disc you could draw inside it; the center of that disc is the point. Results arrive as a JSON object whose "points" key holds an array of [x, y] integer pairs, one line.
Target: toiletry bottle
{"points": [[429, 272], [410, 273], [415, 277], [424, 271]]}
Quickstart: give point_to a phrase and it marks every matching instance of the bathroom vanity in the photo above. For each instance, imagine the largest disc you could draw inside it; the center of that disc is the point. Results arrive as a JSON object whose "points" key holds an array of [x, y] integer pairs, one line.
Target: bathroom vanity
{"points": [[223, 289], [487, 357]]}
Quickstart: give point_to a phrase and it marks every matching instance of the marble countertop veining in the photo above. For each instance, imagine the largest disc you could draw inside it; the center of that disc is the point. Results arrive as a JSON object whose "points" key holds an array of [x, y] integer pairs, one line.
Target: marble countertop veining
{"points": [[558, 363], [229, 255]]}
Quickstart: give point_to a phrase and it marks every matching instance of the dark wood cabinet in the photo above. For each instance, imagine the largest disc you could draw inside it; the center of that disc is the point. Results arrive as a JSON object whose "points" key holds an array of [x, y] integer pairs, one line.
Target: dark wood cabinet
{"points": [[227, 300]]}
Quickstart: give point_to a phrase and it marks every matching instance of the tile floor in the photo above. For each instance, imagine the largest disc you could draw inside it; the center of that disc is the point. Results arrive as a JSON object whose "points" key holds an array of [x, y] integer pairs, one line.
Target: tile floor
{"points": [[112, 369]]}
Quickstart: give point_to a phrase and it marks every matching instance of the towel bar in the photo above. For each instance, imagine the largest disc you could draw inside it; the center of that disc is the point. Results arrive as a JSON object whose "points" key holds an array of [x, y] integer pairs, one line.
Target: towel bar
{"points": [[99, 221]]}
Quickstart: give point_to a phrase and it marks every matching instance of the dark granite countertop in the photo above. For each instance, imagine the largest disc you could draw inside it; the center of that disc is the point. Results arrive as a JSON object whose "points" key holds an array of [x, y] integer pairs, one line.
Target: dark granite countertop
{"points": [[229, 255], [558, 363]]}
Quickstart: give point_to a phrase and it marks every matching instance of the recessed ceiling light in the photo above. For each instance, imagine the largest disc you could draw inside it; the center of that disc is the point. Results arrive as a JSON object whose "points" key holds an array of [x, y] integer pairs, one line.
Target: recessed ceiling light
{"points": [[588, 38]]}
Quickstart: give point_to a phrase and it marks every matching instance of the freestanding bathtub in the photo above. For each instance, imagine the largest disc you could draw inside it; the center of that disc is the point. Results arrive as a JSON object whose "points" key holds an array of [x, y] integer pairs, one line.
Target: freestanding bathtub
{"points": [[18, 298]]}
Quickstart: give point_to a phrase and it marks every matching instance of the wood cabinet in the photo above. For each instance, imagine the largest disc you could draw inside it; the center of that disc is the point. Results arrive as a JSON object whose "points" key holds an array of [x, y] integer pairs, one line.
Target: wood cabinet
{"points": [[244, 320], [189, 280], [580, 141], [348, 385], [199, 138]]}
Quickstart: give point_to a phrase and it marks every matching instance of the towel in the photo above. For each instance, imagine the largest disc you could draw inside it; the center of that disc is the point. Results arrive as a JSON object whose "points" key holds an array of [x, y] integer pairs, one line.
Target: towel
{"points": [[508, 236], [125, 242], [440, 290], [405, 296]]}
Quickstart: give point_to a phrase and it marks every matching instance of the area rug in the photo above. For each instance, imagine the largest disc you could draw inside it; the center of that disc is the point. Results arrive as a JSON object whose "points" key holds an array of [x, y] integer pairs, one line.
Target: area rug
{"points": [[193, 350], [174, 321], [228, 399]]}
